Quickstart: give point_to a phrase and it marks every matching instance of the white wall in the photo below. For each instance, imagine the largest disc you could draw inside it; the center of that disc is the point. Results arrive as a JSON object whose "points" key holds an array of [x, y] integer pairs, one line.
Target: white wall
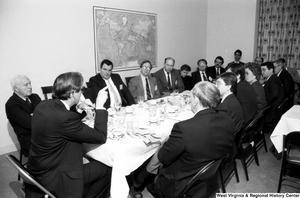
{"points": [[230, 26], [42, 39]]}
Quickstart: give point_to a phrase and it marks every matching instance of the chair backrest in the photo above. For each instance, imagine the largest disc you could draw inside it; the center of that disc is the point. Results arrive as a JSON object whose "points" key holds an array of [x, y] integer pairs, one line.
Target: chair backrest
{"points": [[47, 90], [292, 138], [265, 110], [205, 173], [25, 175]]}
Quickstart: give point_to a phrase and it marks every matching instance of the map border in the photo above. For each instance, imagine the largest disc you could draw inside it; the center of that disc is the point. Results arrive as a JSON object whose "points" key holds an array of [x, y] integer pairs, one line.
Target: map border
{"points": [[96, 50]]}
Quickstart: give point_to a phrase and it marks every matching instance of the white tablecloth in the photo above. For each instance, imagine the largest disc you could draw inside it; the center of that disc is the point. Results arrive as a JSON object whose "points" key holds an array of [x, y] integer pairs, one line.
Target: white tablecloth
{"points": [[289, 122], [125, 155]]}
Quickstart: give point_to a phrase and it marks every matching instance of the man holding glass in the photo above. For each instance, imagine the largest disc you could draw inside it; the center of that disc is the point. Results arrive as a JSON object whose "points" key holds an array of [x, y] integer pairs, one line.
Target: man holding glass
{"points": [[119, 95], [144, 85]]}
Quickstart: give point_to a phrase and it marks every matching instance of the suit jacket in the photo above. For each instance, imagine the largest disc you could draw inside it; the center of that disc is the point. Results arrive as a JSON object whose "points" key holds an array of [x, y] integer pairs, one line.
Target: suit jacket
{"points": [[213, 71], [163, 83], [232, 106], [260, 95], [188, 82], [287, 82], [56, 147], [274, 95], [247, 98], [136, 88], [96, 83], [197, 77], [191, 144], [19, 114]]}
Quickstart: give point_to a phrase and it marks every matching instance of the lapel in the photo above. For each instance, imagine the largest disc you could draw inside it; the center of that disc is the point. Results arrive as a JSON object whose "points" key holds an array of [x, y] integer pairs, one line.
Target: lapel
{"points": [[151, 80], [23, 102], [163, 76], [140, 84], [173, 76]]}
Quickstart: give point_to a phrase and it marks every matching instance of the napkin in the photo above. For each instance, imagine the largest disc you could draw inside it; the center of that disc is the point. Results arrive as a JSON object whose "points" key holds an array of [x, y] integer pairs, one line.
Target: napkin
{"points": [[147, 135]]}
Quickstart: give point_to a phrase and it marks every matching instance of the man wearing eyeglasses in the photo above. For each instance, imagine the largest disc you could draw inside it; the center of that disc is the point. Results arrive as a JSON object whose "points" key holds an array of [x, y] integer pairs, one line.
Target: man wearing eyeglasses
{"points": [[118, 92], [143, 84], [168, 78]]}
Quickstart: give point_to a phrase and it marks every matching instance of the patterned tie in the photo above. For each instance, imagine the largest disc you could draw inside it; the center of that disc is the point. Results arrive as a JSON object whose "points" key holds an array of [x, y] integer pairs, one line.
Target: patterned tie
{"points": [[169, 81], [148, 90], [204, 77]]}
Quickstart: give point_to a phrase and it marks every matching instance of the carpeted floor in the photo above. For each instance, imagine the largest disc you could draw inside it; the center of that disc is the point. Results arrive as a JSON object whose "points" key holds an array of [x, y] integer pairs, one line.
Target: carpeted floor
{"points": [[262, 179]]}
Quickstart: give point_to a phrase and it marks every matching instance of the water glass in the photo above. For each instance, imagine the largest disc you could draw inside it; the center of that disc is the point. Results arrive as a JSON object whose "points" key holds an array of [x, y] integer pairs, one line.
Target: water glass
{"points": [[152, 111], [140, 100], [117, 106], [162, 110]]}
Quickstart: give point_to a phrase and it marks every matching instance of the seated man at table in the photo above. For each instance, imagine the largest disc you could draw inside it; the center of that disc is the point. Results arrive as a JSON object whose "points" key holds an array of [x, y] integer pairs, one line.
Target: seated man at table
{"points": [[186, 79], [273, 89], [202, 73], [192, 144], [55, 157], [227, 83], [144, 84], [118, 92], [168, 79], [19, 110], [217, 69]]}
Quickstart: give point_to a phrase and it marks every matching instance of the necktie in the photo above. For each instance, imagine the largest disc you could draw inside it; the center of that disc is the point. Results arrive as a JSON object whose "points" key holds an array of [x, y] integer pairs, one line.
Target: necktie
{"points": [[204, 77], [148, 90], [169, 81], [27, 100], [218, 71], [111, 89]]}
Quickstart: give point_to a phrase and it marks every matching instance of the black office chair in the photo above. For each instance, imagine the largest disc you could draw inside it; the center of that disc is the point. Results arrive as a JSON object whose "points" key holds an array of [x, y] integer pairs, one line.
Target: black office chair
{"points": [[47, 90], [290, 157], [26, 176], [204, 174], [245, 144]]}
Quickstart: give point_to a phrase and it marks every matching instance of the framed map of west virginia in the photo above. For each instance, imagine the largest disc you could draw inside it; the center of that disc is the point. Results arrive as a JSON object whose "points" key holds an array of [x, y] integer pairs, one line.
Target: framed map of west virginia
{"points": [[125, 37]]}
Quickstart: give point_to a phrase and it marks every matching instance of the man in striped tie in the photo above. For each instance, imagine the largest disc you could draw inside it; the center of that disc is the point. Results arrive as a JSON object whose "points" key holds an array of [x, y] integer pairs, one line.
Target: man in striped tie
{"points": [[144, 84]]}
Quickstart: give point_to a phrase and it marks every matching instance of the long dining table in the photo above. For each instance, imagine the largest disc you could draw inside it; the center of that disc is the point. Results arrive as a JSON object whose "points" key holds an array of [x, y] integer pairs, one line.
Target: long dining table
{"points": [[289, 122], [129, 149]]}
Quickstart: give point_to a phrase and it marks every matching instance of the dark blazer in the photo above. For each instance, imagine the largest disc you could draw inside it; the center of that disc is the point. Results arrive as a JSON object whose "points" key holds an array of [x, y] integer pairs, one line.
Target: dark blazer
{"points": [[287, 82], [274, 95], [136, 88], [56, 150], [260, 95], [19, 114], [188, 82], [163, 83], [213, 71], [247, 98], [197, 77], [233, 107], [190, 147], [96, 83]]}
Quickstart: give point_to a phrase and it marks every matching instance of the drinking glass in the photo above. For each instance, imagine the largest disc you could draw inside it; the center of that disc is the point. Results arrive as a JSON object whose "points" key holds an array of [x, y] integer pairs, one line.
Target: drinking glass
{"points": [[140, 100], [117, 106], [162, 110]]}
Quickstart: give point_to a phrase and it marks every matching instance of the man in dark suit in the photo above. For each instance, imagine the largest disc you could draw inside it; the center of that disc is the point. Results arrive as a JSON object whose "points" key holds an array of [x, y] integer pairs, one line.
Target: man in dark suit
{"points": [[286, 78], [237, 58], [55, 157], [273, 89], [217, 69], [19, 110], [227, 83], [144, 84], [202, 74], [168, 79], [191, 146], [118, 92]]}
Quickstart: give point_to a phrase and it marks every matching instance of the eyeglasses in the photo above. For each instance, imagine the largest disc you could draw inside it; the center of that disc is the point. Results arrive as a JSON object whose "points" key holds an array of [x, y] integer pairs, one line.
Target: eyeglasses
{"points": [[146, 67]]}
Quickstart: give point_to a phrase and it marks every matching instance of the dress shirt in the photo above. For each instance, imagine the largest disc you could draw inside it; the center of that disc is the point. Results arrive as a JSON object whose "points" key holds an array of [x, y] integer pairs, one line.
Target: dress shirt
{"points": [[166, 73], [203, 75], [109, 82], [144, 86]]}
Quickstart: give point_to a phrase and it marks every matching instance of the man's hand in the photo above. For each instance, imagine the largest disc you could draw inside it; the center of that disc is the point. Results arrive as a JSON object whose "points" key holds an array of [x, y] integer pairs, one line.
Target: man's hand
{"points": [[101, 98]]}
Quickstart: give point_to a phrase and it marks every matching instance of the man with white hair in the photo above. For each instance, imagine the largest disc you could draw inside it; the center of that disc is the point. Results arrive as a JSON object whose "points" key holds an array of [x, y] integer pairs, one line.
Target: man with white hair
{"points": [[19, 110]]}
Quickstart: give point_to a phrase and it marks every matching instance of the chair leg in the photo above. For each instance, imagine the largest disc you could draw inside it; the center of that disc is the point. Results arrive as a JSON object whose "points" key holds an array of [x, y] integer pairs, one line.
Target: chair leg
{"points": [[21, 157], [282, 172], [222, 180], [236, 171], [244, 164], [255, 155], [264, 141]]}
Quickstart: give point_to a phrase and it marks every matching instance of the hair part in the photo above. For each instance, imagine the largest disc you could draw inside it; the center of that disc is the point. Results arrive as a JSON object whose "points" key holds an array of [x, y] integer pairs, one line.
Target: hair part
{"points": [[207, 93], [65, 84]]}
